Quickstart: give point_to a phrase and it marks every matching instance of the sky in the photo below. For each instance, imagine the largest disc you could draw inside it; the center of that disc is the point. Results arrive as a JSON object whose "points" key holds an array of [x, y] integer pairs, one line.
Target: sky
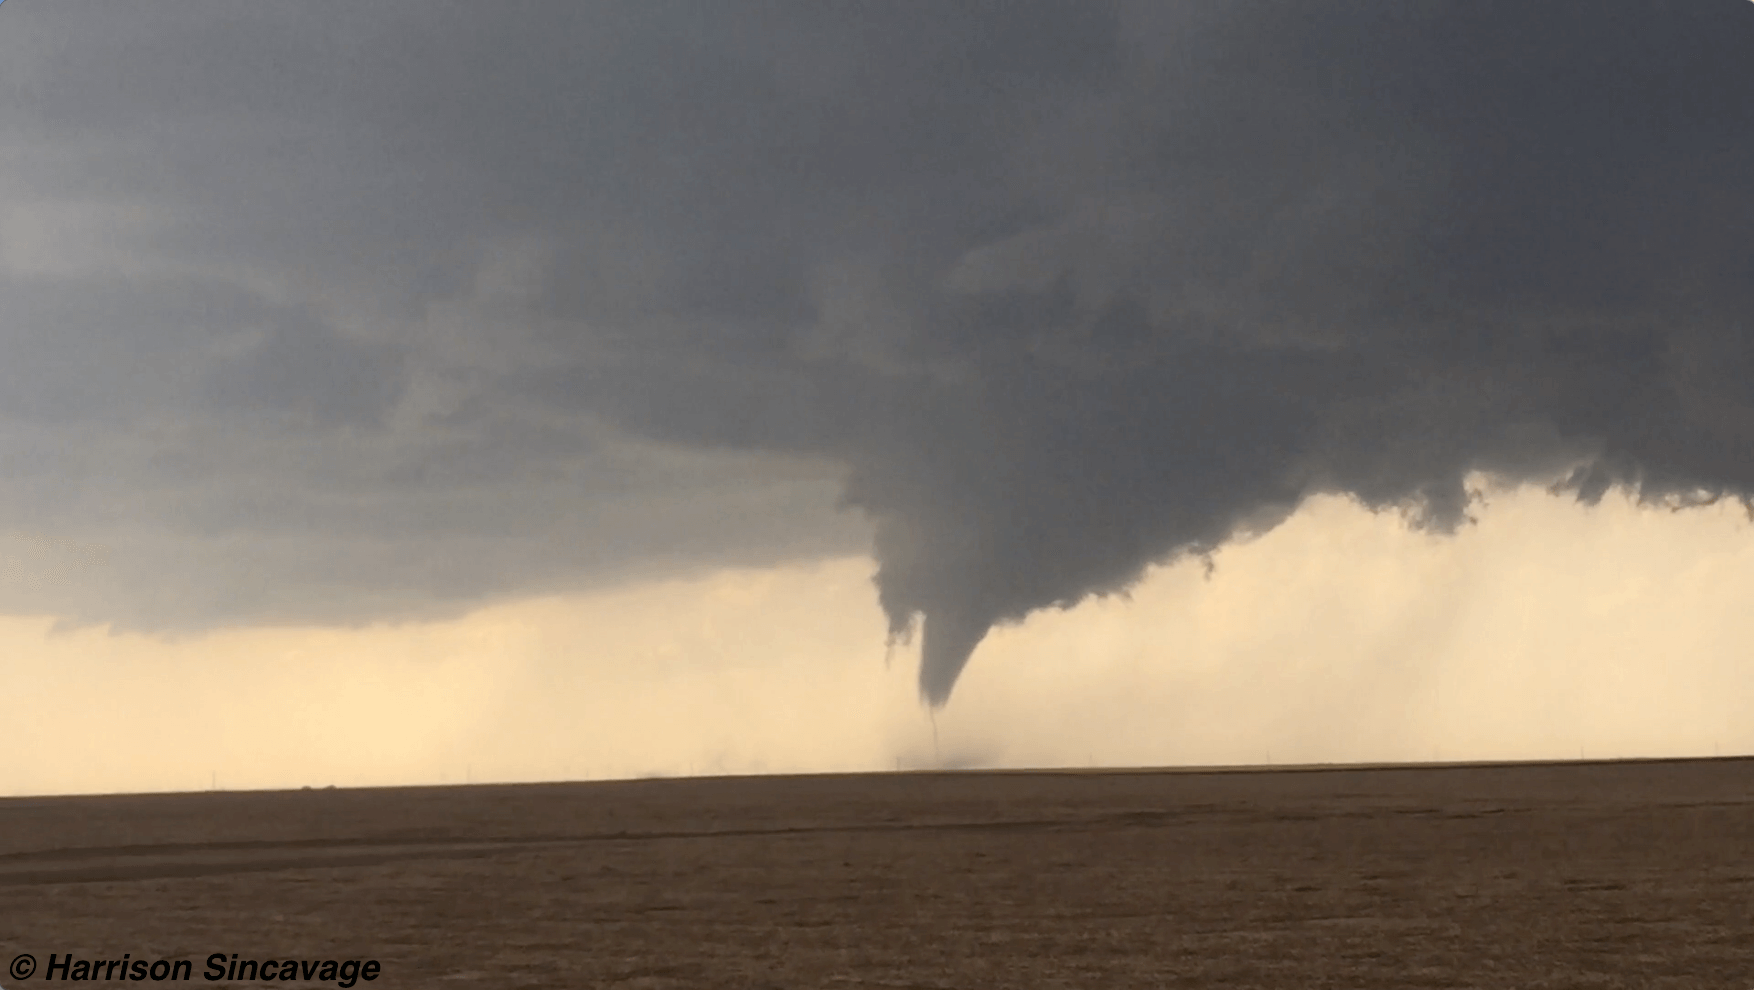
{"points": [[402, 392]]}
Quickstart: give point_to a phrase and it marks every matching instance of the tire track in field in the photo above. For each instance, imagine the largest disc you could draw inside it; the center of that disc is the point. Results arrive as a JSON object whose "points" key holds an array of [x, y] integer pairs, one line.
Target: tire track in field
{"points": [[182, 860]]}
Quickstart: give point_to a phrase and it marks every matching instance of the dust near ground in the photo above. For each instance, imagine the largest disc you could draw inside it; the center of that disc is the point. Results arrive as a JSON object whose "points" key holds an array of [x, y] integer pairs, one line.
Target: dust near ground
{"points": [[1564, 875]]}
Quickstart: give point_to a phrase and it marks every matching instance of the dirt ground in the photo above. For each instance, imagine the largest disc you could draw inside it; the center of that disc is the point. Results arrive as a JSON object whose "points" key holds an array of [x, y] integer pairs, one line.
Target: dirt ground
{"points": [[1565, 875]]}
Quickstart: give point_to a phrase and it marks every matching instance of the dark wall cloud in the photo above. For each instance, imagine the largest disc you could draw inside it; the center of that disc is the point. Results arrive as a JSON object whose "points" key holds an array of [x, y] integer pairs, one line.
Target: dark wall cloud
{"points": [[1059, 290]]}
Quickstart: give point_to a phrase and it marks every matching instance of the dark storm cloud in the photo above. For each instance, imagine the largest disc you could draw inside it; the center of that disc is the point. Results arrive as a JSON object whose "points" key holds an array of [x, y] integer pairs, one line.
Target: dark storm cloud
{"points": [[1066, 288]]}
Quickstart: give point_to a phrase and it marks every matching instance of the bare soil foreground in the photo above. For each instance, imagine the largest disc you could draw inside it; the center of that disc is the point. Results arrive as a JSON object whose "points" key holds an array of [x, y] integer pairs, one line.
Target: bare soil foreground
{"points": [[1635, 874]]}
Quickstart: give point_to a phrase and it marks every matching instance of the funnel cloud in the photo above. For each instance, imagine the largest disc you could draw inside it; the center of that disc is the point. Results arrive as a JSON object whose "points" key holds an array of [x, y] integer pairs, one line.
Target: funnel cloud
{"points": [[360, 311], [1370, 249]]}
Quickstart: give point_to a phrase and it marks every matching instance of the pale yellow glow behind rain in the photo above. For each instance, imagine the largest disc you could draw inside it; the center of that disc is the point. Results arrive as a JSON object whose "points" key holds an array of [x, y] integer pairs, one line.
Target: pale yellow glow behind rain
{"points": [[1547, 630]]}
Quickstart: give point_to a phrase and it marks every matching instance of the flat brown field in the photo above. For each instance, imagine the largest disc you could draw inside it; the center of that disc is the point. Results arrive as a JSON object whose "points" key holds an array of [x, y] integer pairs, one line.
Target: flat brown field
{"points": [[1564, 875]]}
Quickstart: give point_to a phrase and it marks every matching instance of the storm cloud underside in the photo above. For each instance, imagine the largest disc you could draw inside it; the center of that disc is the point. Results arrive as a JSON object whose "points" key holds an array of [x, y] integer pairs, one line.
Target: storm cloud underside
{"points": [[1061, 289]]}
